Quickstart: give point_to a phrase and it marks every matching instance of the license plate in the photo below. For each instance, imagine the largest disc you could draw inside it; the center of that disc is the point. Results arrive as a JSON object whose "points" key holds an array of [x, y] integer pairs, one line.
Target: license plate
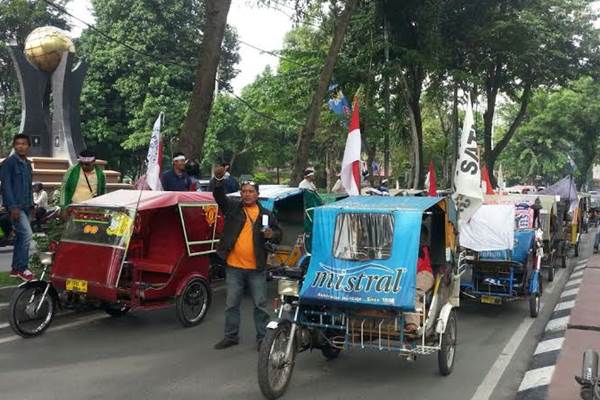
{"points": [[491, 300], [76, 285]]}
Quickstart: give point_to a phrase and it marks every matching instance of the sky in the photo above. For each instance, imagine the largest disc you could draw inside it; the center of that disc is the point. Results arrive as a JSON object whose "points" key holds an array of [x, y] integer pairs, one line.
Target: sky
{"points": [[258, 26]]}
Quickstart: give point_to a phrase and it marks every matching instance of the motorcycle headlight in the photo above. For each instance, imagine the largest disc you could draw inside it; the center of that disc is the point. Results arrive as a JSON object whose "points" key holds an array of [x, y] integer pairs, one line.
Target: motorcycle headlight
{"points": [[286, 287], [46, 257]]}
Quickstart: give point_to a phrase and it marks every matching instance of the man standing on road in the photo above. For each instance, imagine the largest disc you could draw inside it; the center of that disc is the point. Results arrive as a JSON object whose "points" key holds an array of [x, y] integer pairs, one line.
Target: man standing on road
{"points": [[82, 181], [248, 226], [177, 179], [17, 195]]}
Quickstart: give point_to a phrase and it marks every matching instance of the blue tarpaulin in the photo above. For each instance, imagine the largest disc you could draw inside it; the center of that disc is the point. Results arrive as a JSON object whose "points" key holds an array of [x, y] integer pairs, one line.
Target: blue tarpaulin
{"points": [[380, 272]]}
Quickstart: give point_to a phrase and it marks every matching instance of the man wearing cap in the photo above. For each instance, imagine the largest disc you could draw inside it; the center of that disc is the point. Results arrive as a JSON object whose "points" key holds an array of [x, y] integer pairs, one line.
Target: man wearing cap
{"points": [[247, 229], [82, 181], [177, 179], [309, 180]]}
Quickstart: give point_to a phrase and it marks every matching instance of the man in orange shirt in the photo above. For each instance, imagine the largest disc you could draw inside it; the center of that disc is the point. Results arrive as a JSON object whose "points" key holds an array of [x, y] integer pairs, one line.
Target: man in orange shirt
{"points": [[248, 226]]}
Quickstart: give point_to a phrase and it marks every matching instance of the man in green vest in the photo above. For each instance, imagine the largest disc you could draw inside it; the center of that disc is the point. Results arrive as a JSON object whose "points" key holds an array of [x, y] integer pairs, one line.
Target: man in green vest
{"points": [[82, 181]]}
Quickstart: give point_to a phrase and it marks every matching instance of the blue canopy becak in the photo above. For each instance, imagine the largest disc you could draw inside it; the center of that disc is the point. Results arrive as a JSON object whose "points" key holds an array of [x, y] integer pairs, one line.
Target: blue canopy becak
{"points": [[365, 252]]}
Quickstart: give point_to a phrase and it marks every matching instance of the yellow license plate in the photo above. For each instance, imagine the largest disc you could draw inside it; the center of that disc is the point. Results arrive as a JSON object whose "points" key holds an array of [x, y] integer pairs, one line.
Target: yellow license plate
{"points": [[491, 300], [76, 285]]}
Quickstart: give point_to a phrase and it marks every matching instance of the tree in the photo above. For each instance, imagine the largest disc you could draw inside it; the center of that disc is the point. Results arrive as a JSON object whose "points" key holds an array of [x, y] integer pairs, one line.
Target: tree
{"points": [[17, 19], [561, 124], [126, 89], [515, 47], [196, 120], [306, 135]]}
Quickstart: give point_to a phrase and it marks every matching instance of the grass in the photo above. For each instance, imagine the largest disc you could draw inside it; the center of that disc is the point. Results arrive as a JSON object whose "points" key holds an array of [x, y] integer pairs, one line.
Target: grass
{"points": [[6, 280]]}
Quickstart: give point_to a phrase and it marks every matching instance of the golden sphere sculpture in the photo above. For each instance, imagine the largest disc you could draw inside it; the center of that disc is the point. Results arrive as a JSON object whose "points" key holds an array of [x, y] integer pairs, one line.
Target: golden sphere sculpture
{"points": [[45, 46]]}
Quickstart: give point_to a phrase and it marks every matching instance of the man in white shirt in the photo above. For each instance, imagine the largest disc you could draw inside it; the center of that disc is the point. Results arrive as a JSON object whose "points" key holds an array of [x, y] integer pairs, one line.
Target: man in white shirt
{"points": [[40, 203], [309, 180]]}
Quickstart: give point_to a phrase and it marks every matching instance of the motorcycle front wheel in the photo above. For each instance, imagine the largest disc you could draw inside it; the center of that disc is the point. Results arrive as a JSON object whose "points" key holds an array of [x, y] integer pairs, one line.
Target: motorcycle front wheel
{"points": [[274, 368], [30, 311]]}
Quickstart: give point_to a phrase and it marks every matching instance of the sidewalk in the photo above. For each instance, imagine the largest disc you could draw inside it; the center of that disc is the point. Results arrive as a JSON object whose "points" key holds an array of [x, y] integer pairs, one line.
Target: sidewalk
{"points": [[583, 332]]}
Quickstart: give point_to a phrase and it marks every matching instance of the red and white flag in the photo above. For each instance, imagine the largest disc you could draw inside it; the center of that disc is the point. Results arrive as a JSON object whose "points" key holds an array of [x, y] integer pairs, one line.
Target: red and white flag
{"points": [[155, 156], [350, 174], [431, 181]]}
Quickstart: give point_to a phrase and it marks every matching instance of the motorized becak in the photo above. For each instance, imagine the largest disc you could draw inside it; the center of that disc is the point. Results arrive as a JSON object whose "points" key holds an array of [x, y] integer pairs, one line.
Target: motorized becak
{"points": [[358, 286], [126, 250], [501, 263]]}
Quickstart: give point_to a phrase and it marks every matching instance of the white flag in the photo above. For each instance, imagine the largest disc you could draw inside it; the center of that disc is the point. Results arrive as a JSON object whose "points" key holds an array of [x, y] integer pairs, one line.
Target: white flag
{"points": [[154, 158], [467, 183]]}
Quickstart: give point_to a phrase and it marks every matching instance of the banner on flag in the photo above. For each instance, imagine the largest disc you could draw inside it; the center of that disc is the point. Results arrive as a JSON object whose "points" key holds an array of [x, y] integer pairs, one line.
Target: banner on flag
{"points": [[154, 158], [467, 182], [350, 174]]}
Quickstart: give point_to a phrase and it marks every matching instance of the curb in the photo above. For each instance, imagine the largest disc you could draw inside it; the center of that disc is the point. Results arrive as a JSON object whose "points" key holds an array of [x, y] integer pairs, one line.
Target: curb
{"points": [[538, 376]]}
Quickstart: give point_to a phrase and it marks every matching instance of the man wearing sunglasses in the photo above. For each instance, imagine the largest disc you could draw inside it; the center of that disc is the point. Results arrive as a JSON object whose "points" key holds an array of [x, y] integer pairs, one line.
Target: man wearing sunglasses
{"points": [[82, 181], [248, 228]]}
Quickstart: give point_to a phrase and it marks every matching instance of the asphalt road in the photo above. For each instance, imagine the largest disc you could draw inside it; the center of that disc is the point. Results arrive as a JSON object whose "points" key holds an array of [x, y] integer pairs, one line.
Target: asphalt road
{"points": [[148, 355]]}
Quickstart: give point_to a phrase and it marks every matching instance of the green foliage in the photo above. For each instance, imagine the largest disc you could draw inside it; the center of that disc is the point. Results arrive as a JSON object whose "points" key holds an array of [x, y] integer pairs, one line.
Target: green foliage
{"points": [[561, 124], [125, 91]]}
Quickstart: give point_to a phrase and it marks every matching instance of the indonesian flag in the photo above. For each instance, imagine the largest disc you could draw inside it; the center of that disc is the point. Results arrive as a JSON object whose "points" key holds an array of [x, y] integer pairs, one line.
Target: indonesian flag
{"points": [[485, 176], [431, 183], [350, 174], [154, 158], [467, 180]]}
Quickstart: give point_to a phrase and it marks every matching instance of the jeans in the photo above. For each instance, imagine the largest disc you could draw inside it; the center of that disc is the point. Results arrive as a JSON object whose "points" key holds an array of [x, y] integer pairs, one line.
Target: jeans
{"points": [[237, 279], [23, 237]]}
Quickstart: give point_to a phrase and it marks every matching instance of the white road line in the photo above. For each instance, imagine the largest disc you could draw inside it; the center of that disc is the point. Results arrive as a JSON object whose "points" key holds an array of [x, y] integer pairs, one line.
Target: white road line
{"points": [[549, 345], [489, 383], [82, 321], [570, 292], [5, 325], [582, 262], [574, 282], [576, 274], [557, 324], [536, 377], [565, 305]]}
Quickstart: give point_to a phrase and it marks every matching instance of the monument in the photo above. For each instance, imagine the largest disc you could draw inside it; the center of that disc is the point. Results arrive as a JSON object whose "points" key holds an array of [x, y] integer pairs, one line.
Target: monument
{"points": [[50, 88]]}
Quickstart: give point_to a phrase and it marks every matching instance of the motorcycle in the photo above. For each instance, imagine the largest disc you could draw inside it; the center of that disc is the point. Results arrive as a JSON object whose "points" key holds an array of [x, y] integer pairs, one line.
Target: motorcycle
{"points": [[590, 384]]}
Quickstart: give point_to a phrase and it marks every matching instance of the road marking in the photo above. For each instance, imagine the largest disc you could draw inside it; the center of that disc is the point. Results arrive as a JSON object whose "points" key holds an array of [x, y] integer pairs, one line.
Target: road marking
{"points": [[73, 324], [574, 282], [549, 345], [5, 325], [3, 305], [582, 262], [550, 288], [557, 324], [576, 274], [570, 292], [580, 267], [489, 383], [536, 377], [565, 305]]}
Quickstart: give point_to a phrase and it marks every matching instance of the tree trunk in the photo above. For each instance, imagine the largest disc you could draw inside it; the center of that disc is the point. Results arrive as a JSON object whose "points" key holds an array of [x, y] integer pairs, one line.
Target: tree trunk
{"points": [[196, 120], [412, 97], [386, 98], [455, 132], [308, 132], [492, 155]]}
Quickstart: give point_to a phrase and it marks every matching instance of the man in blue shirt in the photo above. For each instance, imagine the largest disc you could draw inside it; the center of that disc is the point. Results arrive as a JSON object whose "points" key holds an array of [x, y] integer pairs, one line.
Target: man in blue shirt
{"points": [[17, 194], [177, 179]]}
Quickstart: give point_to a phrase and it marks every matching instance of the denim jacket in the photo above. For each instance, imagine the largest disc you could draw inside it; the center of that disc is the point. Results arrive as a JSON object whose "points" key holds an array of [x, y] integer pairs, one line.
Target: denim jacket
{"points": [[16, 175]]}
